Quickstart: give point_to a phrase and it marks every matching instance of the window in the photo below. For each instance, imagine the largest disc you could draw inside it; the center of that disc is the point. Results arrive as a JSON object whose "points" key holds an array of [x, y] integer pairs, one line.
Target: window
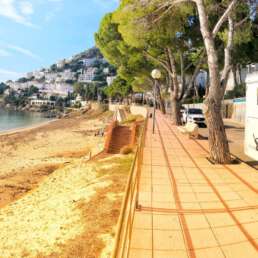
{"points": [[195, 111]]}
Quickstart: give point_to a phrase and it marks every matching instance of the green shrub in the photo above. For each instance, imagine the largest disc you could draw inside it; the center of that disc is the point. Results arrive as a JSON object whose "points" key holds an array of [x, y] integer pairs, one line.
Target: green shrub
{"points": [[126, 150]]}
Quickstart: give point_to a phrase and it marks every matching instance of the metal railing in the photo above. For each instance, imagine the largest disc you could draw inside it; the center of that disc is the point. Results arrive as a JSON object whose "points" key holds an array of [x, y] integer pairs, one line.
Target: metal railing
{"points": [[130, 203]]}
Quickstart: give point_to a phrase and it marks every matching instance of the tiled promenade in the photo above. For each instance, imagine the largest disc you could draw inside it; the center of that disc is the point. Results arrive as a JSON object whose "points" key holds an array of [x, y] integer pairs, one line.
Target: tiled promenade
{"points": [[191, 208]]}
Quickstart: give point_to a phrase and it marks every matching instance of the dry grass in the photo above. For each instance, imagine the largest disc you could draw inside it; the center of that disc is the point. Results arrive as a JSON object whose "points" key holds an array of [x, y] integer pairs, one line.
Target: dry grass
{"points": [[100, 214]]}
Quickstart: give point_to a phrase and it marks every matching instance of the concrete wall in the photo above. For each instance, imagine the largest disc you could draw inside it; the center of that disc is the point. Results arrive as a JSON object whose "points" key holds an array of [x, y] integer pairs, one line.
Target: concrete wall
{"points": [[139, 110], [135, 109], [239, 112]]}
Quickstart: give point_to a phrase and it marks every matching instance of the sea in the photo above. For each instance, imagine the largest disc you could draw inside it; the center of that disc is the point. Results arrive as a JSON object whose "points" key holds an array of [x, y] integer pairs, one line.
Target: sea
{"points": [[11, 120]]}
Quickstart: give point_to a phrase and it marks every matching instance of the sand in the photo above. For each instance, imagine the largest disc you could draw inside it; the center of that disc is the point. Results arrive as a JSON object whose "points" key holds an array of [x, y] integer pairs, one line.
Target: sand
{"points": [[50, 221], [53, 143], [53, 202]]}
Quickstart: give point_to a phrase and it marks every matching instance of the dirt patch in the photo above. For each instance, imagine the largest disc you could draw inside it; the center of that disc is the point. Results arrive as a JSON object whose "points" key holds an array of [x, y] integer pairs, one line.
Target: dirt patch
{"points": [[15, 186], [71, 154]]}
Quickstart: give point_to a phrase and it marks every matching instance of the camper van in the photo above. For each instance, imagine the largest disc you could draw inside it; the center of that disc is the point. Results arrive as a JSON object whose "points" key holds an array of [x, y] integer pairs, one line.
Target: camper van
{"points": [[251, 126]]}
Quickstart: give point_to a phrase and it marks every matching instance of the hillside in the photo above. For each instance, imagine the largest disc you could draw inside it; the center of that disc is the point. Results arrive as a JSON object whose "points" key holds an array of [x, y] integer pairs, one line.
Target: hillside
{"points": [[87, 68]]}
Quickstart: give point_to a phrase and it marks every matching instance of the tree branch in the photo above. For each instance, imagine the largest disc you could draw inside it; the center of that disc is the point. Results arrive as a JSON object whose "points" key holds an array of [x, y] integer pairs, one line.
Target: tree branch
{"points": [[228, 55], [224, 17], [173, 73], [192, 80], [162, 63]]}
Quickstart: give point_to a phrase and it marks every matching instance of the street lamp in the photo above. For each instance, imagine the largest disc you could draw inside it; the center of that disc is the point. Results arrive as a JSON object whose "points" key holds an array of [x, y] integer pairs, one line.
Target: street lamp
{"points": [[156, 75]]}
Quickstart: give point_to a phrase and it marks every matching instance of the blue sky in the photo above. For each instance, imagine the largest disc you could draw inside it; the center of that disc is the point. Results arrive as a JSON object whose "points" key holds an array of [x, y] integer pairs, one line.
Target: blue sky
{"points": [[37, 33]]}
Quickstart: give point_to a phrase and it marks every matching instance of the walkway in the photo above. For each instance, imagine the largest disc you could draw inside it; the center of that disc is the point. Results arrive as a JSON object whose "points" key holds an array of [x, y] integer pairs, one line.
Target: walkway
{"points": [[189, 207]]}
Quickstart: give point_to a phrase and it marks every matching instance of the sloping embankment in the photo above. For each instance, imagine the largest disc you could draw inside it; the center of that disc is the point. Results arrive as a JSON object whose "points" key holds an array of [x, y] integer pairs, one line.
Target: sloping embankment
{"points": [[70, 214]]}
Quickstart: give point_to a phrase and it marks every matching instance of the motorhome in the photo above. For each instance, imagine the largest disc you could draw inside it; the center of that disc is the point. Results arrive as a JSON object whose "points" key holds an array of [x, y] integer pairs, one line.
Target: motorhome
{"points": [[251, 128]]}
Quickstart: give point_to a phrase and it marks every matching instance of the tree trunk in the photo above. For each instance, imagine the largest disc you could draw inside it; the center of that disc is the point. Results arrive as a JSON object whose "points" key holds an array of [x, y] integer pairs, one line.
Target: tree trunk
{"points": [[218, 144], [239, 74], [175, 112], [160, 100], [196, 88], [234, 72]]}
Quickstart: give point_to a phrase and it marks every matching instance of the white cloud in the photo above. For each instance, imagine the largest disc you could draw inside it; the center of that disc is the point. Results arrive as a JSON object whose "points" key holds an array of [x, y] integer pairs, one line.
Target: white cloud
{"points": [[4, 53], [9, 75], [10, 10], [24, 51], [26, 8]]}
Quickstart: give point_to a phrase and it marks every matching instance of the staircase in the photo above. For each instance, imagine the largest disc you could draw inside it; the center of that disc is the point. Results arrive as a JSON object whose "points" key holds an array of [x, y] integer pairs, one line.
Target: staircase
{"points": [[121, 137]]}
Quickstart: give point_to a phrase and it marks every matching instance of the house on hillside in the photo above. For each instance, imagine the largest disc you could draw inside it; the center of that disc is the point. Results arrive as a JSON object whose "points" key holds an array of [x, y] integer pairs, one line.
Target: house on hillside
{"points": [[106, 70], [67, 75], [88, 75], [50, 77], [59, 89], [42, 102], [87, 62], [110, 80], [60, 64], [38, 75]]}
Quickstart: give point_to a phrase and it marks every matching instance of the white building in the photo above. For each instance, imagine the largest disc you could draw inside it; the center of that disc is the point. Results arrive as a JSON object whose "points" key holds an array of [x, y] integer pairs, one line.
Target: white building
{"points": [[78, 100], [88, 75], [240, 76], [88, 61], [61, 63], [38, 75], [67, 75], [106, 70], [7, 92], [57, 89], [201, 79], [13, 85], [29, 75], [42, 102], [50, 77], [110, 80]]}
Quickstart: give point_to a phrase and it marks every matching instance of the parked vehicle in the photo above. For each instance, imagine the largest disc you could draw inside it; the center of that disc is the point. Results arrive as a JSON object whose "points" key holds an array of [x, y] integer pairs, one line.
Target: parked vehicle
{"points": [[194, 115]]}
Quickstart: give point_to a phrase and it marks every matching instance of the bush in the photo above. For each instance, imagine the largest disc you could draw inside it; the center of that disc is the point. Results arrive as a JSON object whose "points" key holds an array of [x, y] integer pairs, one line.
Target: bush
{"points": [[238, 92], [126, 150]]}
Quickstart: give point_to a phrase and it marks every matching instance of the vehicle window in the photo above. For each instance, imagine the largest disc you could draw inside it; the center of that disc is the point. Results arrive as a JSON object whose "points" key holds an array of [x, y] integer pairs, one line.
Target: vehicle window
{"points": [[195, 111]]}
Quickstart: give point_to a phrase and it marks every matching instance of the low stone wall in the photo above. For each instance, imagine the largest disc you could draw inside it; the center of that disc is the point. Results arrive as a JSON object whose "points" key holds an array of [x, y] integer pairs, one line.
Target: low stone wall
{"points": [[134, 109], [139, 110]]}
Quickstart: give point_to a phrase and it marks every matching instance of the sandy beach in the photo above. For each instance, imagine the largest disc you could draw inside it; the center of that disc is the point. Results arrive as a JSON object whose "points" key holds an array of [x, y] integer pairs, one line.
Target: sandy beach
{"points": [[53, 202], [53, 142]]}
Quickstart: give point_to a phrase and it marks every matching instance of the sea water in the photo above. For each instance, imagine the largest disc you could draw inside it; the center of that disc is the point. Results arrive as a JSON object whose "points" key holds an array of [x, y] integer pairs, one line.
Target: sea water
{"points": [[10, 120]]}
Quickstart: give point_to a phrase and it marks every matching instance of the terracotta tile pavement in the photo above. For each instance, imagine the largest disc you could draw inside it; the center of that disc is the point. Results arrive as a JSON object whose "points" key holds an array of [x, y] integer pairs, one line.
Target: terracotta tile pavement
{"points": [[189, 207]]}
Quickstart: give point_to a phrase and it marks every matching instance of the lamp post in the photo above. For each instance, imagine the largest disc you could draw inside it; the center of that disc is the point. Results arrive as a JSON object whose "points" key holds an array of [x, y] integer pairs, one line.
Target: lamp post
{"points": [[156, 75]]}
